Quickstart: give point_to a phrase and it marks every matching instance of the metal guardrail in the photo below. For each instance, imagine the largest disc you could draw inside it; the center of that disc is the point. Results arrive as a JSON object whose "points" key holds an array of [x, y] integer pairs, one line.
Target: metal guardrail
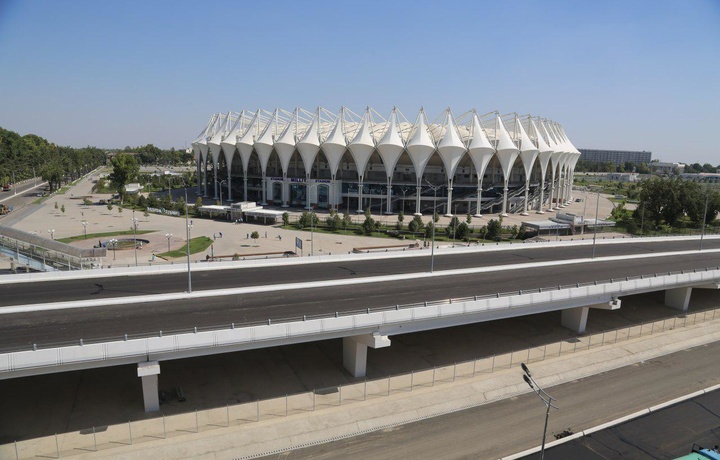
{"points": [[346, 313]]}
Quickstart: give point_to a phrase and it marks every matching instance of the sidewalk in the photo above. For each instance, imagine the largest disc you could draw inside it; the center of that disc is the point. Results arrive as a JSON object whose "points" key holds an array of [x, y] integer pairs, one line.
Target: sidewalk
{"points": [[362, 410]]}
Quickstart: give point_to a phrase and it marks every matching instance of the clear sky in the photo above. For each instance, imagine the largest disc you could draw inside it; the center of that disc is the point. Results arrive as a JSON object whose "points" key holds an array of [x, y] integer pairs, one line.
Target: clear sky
{"points": [[638, 75]]}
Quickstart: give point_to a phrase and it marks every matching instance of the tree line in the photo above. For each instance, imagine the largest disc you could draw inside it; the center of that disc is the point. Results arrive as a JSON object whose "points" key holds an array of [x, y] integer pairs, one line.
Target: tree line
{"points": [[149, 154], [670, 203], [23, 156]]}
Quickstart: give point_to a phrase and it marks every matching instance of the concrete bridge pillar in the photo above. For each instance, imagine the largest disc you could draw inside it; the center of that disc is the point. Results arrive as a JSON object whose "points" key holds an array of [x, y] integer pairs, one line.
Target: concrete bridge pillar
{"points": [[149, 372], [355, 351], [678, 298], [575, 318]]}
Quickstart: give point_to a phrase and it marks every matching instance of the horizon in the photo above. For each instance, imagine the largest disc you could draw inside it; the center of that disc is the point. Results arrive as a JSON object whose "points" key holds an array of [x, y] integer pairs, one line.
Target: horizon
{"points": [[616, 75]]}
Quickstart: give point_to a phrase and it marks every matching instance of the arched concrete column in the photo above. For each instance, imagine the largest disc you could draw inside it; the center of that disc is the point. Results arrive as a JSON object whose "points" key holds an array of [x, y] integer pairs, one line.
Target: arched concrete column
{"points": [[418, 190], [678, 298], [360, 196], [448, 210], [355, 351], [148, 373], [388, 206], [205, 178], [215, 179], [229, 186]]}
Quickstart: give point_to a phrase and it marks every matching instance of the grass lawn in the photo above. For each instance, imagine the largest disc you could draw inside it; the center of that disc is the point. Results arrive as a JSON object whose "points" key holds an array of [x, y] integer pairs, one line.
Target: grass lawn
{"points": [[198, 244], [91, 236]]}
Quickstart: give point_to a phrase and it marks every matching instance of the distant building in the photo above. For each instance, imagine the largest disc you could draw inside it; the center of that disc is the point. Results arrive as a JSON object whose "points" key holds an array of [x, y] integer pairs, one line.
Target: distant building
{"points": [[713, 178], [623, 177], [615, 156], [663, 167]]}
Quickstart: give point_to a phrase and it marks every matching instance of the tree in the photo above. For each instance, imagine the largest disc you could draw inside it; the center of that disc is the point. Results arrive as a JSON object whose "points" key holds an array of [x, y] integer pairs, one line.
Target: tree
{"points": [[451, 229], [346, 221], [429, 228], [494, 229], [468, 219], [109, 206], [119, 209], [286, 219], [463, 231], [125, 169], [333, 221], [369, 225], [401, 218], [62, 209], [255, 235], [416, 224]]}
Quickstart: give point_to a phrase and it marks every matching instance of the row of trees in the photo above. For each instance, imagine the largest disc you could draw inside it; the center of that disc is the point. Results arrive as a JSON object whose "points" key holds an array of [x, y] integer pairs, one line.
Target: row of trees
{"points": [[670, 203], [609, 166], [456, 229], [23, 156], [149, 154]]}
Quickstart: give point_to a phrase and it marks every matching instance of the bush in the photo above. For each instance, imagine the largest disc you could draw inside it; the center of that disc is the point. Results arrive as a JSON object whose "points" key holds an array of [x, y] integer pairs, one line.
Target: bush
{"points": [[286, 219], [369, 225]]}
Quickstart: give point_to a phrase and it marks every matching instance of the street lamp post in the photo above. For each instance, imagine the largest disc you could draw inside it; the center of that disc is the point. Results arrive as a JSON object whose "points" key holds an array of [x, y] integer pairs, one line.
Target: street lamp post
{"points": [[114, 246], [702, 233], [134, 222], [544, 397], [188, 226], [85, 224], [455, 222], [168, 236], [432, 249], [597, 207], [312, 220]]}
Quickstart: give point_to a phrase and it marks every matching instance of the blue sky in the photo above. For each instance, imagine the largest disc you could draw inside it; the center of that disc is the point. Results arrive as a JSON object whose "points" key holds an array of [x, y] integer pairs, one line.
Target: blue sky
{"points": [[639, 75]]}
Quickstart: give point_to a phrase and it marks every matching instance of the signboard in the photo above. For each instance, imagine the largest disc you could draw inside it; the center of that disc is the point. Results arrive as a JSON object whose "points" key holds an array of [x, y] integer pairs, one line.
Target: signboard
{"points": [[298, 243]]}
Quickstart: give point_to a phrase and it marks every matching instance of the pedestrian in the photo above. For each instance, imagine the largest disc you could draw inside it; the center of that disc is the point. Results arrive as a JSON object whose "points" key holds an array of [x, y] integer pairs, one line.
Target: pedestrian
{"points": [[266, 234], [247, 236], [220, 234], [280, 237]]}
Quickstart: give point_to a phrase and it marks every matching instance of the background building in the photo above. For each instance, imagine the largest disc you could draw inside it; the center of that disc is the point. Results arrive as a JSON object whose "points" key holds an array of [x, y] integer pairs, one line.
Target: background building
{"points": [[615, 156]]}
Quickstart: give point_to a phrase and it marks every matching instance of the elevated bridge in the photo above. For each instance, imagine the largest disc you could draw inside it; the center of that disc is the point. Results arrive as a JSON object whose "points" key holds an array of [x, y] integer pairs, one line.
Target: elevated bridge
{"points": [[65, 321]]}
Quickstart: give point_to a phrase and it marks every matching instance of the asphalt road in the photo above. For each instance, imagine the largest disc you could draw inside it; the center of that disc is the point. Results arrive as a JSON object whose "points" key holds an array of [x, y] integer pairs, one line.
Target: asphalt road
{"points": [[65, 290], [513, 425], [112, 322]]}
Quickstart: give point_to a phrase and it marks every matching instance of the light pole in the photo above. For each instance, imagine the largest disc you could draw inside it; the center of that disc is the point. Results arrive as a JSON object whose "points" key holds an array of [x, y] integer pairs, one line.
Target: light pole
{"points": [[168, 236], [455, 222], [707, 196], [114, 245], [582, 230], [597, 207], [52, 233], [134, 225], [188, 225], [312, 220], [544, 397], [432, 249], [85, 224]]}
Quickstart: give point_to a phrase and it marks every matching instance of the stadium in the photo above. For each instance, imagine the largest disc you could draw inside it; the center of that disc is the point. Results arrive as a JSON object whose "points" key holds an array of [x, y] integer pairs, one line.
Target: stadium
{"points": [[351, 163]]}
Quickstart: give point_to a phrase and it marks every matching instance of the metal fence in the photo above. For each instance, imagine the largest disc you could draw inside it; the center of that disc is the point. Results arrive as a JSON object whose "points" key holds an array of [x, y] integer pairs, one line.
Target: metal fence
{"points": [[107, 437]]}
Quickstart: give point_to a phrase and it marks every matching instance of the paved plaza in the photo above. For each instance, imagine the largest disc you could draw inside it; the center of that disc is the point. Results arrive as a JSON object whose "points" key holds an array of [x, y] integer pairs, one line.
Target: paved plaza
{"points": [[40, 218]]}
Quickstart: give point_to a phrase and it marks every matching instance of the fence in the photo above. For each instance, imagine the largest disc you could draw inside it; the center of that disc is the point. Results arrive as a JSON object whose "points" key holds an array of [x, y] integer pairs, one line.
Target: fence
{"points": [[109, 436]]}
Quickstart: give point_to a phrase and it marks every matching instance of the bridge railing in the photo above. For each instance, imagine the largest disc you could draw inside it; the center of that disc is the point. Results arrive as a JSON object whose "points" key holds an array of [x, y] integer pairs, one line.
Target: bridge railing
{"points": [[104, 437]]}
